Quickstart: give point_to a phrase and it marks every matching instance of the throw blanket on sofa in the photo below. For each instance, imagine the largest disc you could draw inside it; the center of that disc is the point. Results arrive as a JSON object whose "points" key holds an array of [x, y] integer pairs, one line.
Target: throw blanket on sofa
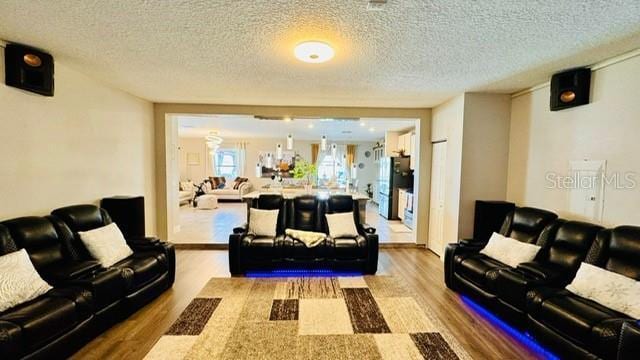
{"points": [[309, 238]]}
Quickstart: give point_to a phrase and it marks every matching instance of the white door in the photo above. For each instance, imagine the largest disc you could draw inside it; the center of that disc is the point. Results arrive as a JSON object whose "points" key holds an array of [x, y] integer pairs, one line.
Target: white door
{"points": [[436, 212]]}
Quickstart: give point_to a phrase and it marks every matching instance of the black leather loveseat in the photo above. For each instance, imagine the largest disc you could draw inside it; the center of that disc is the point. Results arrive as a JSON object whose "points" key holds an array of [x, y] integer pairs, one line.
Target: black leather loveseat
{"points": [[532, 296], [86, 298], [250, 252]]}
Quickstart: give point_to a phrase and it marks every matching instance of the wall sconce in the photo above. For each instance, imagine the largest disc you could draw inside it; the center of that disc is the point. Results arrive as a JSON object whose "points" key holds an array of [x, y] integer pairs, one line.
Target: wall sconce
{"points": [[258, 170], [279, 151], [334, 150]]}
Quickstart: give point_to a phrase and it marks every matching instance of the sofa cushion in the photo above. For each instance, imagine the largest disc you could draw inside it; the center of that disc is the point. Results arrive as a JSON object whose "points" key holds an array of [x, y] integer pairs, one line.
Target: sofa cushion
{"points": [[44, 318], [143, 267], [262, 247], [294, 249], [574, 316], [69, 270], [348, 248], [476, 267], [226, 191], [19, 280], [11, 343]]}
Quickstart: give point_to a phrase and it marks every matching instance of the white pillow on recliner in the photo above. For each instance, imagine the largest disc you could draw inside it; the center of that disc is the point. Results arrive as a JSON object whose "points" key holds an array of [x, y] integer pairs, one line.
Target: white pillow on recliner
{"points": [[509, 251], [263, 222], [341, 225], [607, 288], [106, 244], [19, 280]]}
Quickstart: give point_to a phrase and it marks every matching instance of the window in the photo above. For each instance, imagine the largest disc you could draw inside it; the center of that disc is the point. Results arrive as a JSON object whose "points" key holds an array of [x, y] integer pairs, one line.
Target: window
{"points": [[226, 163], [327, 169]]}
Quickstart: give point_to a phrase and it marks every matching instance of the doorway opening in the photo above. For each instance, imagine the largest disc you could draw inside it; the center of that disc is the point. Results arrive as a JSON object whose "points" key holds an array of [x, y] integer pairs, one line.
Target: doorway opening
{"points": [[371, 158]]}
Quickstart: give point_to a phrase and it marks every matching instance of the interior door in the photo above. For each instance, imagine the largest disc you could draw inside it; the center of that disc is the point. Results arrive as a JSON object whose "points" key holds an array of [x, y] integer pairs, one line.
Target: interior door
{"points": [[436, 211]]}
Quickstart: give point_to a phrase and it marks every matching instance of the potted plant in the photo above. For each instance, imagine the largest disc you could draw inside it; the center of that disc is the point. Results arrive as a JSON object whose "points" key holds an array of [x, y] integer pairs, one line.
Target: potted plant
{"points": [[306, 171]]}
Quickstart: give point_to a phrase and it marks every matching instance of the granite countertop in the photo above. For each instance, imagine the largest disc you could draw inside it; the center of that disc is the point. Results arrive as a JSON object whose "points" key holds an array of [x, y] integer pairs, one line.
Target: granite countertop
{"points": [[291, 193]]}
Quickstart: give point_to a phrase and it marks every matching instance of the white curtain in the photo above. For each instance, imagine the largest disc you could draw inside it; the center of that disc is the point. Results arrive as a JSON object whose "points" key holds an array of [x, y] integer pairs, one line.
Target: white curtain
{"points": [[242, 157]]}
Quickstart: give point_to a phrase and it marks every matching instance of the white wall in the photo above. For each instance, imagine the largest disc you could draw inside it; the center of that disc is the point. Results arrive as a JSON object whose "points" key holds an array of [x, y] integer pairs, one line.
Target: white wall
{"points": [[485, 154], [87, 142], [606, 129], [256, 145], [447, 124], [476, 128]]}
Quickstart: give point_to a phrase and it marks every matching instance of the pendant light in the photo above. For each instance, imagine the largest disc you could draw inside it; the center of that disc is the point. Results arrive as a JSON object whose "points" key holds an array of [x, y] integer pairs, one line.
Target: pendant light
{"points": [[354, 171], [323, 143], [289, 142], [269, 161], [279, 152], [334, 150], [258, 170]]}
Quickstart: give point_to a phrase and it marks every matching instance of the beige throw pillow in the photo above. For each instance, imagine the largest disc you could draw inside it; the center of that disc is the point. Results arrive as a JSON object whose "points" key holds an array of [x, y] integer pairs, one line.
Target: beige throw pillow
{"points": [[106, 244], [341, 225], [19, 280], [509, 251], [263, 222]]}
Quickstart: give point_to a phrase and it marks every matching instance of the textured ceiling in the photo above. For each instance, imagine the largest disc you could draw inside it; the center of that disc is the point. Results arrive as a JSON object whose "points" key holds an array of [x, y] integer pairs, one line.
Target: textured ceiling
{"points": [[244, 126], [414, 53]]}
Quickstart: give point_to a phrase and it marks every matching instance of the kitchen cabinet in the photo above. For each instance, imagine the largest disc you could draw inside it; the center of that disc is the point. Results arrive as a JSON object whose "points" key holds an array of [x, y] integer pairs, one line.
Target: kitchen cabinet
{"points": [[391, 139]]}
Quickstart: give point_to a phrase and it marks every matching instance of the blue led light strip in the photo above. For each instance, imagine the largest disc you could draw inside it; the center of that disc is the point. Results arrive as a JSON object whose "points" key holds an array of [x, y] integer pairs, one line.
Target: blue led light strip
{"points": [[523, 338], [301, 273]]}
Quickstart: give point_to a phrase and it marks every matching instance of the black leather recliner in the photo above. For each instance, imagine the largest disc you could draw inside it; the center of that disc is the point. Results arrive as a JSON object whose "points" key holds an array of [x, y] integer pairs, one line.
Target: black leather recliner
{"points": [[555, 265], [248, 252], [58, 322], [580, 327], [148, 272], [86, 298], [468, 271]]}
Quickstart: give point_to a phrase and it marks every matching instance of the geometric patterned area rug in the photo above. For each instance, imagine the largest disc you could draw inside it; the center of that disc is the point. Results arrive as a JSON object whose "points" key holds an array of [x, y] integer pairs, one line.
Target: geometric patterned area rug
{"points": [[355, 317]]}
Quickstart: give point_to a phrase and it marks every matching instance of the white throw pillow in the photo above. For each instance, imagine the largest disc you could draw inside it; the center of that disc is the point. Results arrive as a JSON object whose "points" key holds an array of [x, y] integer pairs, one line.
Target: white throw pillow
{"points": [[106, 244], [509, 251], [263, 222], [19, 280], [341, 225], [608, 288]]}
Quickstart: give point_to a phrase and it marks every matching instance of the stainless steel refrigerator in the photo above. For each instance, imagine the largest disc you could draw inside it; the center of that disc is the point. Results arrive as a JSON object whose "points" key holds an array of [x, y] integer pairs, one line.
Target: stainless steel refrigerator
{"points": [[393, 173]]}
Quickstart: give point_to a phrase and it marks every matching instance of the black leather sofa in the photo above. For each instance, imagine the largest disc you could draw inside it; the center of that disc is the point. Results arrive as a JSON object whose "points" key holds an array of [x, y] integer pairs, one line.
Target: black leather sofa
{"points": [[532, 298], [583, 327], [250, 252], [469, 272], [86, 298]]}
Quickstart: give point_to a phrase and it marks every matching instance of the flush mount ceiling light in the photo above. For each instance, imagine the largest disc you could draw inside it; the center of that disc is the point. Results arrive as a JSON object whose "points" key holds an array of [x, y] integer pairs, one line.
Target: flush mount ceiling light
{"points": [[314, 52]]}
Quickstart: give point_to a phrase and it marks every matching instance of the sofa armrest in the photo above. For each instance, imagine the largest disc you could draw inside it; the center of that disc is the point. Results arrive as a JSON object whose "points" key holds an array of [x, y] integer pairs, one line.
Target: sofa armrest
{"points": [[241, 229], [235, 253], [472, 243], [372, 253], [368, 229], [629, 344], [244, 188], [159, 246], [450, 252]]}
